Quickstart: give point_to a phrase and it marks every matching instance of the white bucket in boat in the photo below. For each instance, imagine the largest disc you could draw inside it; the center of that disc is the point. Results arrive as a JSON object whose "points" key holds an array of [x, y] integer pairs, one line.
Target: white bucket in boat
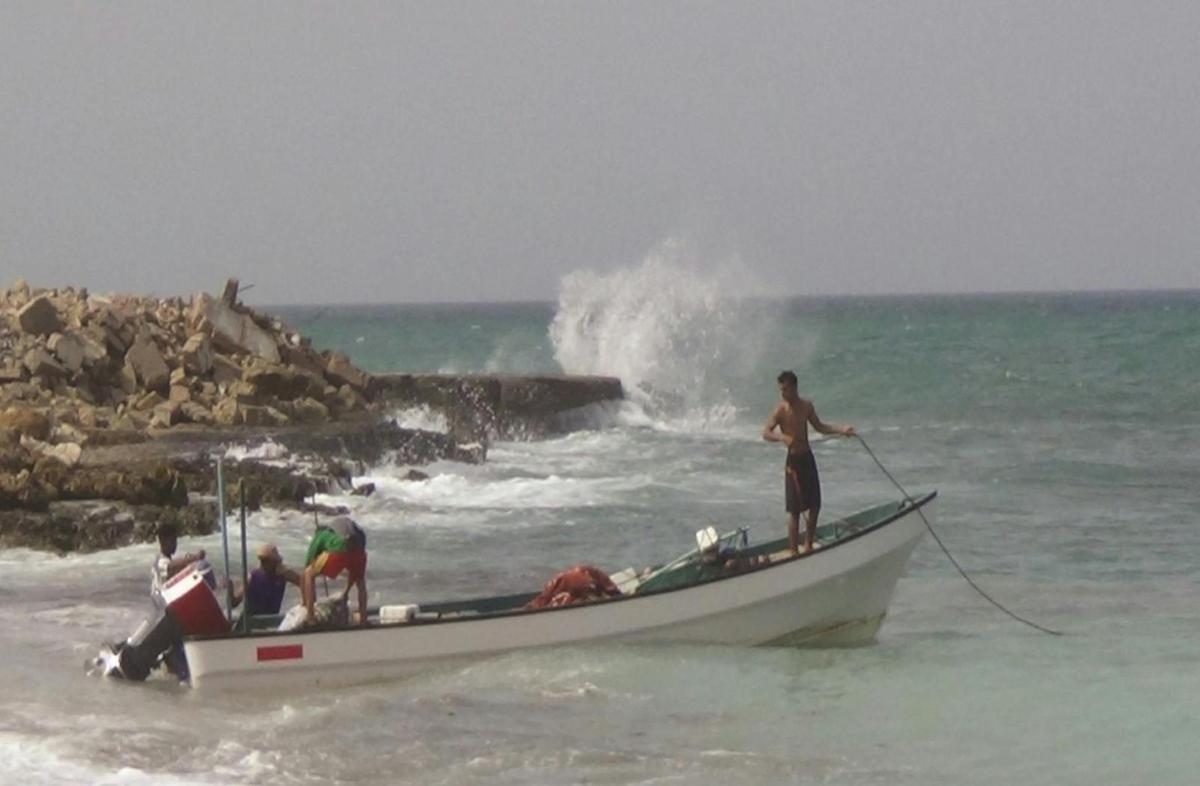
{"points": [[398, 613]]}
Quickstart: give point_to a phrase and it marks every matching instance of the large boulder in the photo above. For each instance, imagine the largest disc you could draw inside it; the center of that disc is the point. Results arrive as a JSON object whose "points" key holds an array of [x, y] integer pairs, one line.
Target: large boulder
{"points": [[340, 371], [39, 317], [147, 362]]}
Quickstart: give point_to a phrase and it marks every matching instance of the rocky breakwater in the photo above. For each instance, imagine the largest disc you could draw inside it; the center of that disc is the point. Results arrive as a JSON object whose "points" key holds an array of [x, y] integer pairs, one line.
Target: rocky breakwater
{"points": [[113, 407], [481, 407]]}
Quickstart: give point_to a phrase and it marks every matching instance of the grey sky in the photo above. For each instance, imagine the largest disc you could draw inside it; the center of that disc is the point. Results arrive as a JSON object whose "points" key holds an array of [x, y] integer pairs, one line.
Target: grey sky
{"points": [[478, 151]]}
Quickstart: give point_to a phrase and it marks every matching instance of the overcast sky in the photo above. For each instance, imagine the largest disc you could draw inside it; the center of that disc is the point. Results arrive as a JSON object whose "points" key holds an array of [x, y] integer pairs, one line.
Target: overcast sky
{"points": [[354, 152]]}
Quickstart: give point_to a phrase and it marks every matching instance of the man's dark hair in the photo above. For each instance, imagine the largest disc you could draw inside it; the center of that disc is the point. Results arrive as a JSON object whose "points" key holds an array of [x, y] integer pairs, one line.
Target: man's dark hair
{"points": [[166, 531], [788, 377]]}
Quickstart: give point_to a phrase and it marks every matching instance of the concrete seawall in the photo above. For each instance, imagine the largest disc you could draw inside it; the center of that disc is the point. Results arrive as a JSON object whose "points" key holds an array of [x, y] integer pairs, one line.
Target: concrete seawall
{"points": [[500, 406]]}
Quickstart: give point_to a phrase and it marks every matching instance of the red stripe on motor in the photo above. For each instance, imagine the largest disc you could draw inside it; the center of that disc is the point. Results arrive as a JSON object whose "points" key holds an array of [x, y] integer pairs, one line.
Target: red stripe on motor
{"points": [[282, 652]]}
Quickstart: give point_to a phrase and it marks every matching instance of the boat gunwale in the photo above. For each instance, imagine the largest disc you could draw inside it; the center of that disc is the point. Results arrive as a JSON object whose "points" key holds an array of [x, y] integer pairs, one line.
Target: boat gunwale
{"points": [[901, 512]]}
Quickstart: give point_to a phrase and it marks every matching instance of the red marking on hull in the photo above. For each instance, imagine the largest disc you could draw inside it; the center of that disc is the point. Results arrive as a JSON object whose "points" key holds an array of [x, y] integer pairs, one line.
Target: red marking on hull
{"points": [[281, 652]]}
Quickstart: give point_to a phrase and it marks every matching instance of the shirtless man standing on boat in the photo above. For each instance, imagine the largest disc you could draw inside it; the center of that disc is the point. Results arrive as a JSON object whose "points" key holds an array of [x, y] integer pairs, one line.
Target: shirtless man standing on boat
{"points": [[802, 485]]}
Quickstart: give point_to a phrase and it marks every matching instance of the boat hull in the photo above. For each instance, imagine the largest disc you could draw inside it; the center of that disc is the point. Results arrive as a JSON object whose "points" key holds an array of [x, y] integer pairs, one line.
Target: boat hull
{"points": [[834, 597]]}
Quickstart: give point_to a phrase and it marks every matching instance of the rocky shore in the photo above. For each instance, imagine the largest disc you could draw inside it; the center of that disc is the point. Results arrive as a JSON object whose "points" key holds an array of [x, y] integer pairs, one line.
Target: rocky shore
{"points": [[114, 409]]}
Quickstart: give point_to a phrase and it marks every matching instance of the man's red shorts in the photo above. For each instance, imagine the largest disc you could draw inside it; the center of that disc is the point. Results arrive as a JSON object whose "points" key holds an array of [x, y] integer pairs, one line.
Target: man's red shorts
{"points": [[332, 563]]}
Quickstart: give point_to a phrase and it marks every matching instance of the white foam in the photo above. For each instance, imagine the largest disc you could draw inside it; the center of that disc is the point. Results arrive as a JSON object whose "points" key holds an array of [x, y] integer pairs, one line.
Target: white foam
{"points": [[33, 761], [422, 418], [451, 490], [269, 451], [673, 332]]}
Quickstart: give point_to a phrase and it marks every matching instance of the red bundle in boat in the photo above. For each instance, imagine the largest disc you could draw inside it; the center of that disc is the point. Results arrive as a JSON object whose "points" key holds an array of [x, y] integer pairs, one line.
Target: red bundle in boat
{"points": [[575, 585]]}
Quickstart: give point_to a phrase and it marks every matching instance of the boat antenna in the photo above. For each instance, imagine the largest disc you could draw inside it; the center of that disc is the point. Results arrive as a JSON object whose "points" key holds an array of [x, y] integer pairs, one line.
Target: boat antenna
{"points": [[908, 498], [245, 556], [224, 537]]}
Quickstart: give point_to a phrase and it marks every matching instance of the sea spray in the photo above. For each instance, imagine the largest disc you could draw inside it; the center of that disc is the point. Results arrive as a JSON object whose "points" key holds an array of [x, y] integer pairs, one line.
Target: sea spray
{"points": [[680, 337]]}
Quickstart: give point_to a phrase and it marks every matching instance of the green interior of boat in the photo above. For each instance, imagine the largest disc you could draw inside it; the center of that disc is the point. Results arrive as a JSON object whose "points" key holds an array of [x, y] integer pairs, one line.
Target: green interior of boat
{"points": [[687, 569], [692, 568]]}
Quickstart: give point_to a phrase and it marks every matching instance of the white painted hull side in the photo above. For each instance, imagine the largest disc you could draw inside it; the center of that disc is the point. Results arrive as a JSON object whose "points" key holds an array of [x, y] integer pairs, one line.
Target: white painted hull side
{"points": [[836, 596]]}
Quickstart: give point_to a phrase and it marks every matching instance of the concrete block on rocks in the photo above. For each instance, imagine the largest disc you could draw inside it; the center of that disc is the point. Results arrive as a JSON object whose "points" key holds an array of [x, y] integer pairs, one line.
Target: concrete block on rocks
{"points": [[234, 331], [263, 416], [340, 371], [227, 412], [307, 410], [39, 318], [165, 415], [26, 422], [197, 354], [348, 399], [70, 350], [41, 364], [283, 382], [191, 412], [18, 293], [152, 371], [224, 370], [127, 379], [66, 453], [131, 421], [147, 401]]}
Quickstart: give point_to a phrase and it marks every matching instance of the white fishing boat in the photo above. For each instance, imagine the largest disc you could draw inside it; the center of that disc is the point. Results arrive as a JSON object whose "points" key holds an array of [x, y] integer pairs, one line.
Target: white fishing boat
{"points": [[835, 595]]}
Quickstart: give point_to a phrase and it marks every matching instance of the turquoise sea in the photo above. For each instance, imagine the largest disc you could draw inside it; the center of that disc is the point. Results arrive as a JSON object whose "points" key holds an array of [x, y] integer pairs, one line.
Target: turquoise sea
{"points": [[1061, 431]]}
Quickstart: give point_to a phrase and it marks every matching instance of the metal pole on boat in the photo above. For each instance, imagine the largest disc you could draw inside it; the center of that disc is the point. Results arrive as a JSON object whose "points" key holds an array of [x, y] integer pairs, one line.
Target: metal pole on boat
{"points": [[245, 559], [224, 538]]}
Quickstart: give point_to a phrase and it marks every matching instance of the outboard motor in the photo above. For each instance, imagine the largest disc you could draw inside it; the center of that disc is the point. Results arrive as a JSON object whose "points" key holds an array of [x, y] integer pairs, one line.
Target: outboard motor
{"points": [[134, 658], [192, 610]]}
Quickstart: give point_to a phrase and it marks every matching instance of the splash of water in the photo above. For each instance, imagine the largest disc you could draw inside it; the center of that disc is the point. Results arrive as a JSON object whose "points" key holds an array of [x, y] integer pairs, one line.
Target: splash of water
{"points": [[679, 337]]}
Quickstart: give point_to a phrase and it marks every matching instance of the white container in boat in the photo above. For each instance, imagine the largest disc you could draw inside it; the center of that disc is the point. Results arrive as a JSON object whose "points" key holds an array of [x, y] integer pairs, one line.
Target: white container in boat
{"points": [[398, 613]]}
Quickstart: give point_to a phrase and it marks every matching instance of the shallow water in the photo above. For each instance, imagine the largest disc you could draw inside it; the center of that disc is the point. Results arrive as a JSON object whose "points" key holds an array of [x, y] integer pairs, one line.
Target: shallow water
{"points": [[1060, 432]]}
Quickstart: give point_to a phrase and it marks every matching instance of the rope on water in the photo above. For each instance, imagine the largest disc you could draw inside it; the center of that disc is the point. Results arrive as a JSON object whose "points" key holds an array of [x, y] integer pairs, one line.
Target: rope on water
{"points": [[946, 551]]}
